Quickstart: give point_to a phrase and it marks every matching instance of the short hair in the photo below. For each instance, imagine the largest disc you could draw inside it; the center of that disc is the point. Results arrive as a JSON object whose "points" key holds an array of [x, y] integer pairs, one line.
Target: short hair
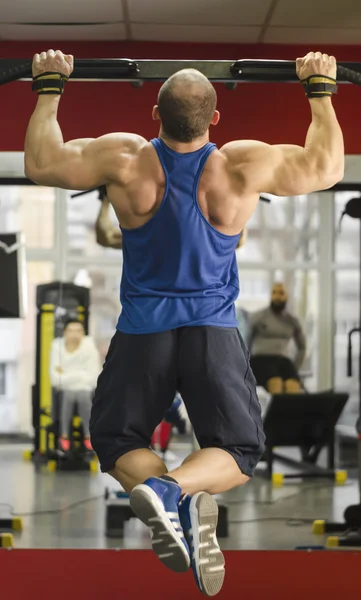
{"points": [[186, 105], [73, 320]]}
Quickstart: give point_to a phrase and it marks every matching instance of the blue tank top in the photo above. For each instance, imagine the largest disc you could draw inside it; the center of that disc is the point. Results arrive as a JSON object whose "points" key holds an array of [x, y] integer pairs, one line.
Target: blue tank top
{"points": [[178, 270]]}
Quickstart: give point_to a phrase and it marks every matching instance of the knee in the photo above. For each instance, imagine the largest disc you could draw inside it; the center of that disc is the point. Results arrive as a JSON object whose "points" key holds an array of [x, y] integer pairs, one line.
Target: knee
{"points": [[274, 385], [243, 479], [292, 386]]}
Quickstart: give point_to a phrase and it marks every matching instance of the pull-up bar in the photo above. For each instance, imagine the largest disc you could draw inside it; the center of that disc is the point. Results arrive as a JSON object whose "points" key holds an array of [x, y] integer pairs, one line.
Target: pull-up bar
{"points": [[224, 71]]}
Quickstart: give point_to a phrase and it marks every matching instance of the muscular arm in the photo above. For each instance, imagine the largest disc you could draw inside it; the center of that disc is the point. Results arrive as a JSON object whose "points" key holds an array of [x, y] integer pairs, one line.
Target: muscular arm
{"points": [[107, 234], [79, 164], [287, 170]]}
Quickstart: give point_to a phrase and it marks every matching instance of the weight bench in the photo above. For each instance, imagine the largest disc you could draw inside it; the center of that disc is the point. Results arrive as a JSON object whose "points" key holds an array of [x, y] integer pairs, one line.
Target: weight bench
{"points": [[307, 421]]}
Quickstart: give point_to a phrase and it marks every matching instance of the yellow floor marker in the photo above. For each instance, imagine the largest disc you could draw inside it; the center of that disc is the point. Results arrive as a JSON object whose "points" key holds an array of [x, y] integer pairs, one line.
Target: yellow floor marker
{"points": [[6, 540], [318, 527], [341, 477], [277, 479]]}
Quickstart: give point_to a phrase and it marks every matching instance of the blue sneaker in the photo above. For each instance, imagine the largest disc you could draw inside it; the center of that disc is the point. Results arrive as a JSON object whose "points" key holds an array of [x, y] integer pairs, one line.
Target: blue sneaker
{"points": [[155, 502], [176, 415], [199, 517]]}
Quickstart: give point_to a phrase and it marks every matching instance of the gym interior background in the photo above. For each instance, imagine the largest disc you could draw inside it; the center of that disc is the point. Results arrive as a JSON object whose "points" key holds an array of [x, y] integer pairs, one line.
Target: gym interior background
{"points": [[294, 240]]}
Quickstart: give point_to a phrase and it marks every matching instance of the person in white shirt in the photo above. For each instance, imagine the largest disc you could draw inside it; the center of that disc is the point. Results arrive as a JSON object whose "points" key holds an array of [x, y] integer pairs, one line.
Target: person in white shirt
{"points": [[74, 369]]}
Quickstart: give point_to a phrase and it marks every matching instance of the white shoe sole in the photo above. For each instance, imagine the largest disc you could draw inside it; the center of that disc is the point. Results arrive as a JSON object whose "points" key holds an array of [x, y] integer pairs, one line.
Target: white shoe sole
{"points": [[166, 541], [209, 560]]}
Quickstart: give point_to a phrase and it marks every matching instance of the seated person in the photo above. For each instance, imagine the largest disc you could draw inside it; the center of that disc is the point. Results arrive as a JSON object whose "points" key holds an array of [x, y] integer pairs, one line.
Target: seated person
{"points": [[271, 331], [74, 369]]}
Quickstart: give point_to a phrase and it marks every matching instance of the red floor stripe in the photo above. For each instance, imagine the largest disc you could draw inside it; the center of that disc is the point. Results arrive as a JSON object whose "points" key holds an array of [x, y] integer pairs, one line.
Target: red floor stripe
{"points": [[138, 575]]}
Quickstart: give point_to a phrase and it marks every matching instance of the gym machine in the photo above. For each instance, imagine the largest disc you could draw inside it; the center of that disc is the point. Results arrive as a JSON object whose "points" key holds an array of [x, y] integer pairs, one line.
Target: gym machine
{"points": [[56, 302], [306, 421], [351, 527]]}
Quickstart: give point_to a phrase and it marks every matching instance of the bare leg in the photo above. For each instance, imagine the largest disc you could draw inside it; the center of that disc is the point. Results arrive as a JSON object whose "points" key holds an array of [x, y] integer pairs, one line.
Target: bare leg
{"points": [[209, 470], [292, 386], [275, 385], [136, 466]]}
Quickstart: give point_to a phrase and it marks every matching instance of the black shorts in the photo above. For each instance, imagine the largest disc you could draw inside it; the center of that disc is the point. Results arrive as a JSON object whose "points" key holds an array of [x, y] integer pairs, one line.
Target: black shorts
{"points": [[210, 368], [266, 367]]}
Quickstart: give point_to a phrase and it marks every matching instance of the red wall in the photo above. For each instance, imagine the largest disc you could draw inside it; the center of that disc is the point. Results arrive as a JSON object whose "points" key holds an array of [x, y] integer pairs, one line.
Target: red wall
{"points": [[271, 112], [94, 574]]}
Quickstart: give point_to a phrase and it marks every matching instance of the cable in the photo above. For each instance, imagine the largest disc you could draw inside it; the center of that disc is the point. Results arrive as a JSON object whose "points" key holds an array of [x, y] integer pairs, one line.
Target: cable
{"points": [[283, 498], [50, 511], [289, 522], [8, 505], [339, 228]]}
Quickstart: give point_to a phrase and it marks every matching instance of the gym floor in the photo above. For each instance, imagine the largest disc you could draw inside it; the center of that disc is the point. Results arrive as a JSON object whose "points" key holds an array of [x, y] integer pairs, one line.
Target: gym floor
{"points": [[71, 507]]}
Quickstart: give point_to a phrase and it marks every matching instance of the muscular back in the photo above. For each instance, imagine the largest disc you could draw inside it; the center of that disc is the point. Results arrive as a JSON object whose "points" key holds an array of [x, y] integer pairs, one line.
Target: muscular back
{"points": [[138, 192]]}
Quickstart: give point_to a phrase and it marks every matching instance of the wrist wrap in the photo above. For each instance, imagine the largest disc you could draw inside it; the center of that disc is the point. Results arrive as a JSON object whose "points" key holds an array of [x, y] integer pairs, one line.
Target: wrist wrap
{"points": [[318, 86], [49, 83]]}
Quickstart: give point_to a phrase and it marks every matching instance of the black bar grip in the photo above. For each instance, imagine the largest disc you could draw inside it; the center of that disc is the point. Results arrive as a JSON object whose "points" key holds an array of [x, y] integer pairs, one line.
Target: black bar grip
{"points": [[260, 71], [13, 73], [349, 75], [92, 68], [285, 71]]}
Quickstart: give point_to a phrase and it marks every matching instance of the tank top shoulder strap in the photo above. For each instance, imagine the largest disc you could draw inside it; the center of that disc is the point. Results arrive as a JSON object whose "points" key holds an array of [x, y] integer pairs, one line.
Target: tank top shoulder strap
{"points": [[204, 153], [192, 161], [160, 149]]}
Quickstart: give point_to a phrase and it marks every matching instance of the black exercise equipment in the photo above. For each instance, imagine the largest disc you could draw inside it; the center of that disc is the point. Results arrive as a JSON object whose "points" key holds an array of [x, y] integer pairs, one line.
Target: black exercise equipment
{"points": [[11, 523], [56, 302], [306, 421], [13, 271], [352, 515], [139, 70]]}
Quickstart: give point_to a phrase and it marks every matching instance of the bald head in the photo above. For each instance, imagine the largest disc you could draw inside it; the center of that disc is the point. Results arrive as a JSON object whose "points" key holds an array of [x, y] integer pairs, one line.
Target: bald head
{"points": [[186, 104]]}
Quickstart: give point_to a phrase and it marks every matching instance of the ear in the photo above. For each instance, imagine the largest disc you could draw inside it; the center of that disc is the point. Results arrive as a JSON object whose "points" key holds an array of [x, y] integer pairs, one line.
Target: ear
{"points": [[216, 117], [155, 113]]}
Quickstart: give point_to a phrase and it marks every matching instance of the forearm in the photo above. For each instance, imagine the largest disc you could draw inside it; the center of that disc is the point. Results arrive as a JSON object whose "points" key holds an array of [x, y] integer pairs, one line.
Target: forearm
{"points": [[44, 139], [107, 234], [104, 222], [324, 147], [68, 380], [301, 351]]}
